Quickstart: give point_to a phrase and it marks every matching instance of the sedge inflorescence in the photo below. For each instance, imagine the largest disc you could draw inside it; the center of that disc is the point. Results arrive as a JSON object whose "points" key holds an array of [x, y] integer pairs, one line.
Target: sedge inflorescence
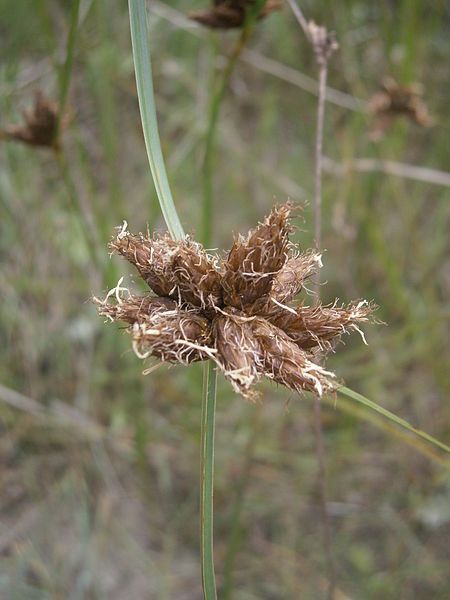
{"points": [[236, 311], [40, 126], [230, 14]]}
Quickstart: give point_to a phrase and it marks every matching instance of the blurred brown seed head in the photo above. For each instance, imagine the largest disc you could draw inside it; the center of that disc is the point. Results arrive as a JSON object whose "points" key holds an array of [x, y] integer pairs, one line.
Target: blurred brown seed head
{"points": [[395, 100], [230, 14], [40, 127], [237, 311]]}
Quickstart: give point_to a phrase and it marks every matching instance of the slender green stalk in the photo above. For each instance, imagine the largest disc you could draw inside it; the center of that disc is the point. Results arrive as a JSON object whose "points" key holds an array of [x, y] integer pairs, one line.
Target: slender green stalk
{"points": [[207, 478], [210, 375], [320, 443], [144, 83], [322, 60], [397, 420], [66, 71], [235, 536], [216, 103], [360, 412], [142, 64]]}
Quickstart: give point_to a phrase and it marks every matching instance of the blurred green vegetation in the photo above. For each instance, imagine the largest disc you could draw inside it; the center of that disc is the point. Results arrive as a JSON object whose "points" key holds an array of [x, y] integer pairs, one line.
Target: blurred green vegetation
{"points": [[99, 464]]}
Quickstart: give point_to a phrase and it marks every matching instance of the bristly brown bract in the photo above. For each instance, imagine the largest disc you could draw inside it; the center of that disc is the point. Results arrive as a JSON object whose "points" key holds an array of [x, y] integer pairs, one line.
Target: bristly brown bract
{"points": [[230, 14], [40, 127], [237, 311], [395, 100]]}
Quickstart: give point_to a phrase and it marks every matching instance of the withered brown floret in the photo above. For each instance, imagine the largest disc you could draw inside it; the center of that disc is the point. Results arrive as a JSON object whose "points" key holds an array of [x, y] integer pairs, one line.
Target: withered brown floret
{"points": [[135, 308], [236, 312], [159, 327], [290, 279], [195, 275], [237, 350], [284, 362], [150, 256], [229, 14], [254, 261], [178, 336], [318, 326], [177, 269]]}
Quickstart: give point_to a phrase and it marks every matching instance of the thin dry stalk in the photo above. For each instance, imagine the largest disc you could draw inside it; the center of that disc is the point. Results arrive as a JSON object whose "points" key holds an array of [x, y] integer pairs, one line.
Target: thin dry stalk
{"points": [[323, 44]]}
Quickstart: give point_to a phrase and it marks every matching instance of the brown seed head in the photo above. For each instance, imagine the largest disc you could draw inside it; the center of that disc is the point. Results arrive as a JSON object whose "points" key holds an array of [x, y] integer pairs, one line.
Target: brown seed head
{"points": [[236, 313], [173, 336], [395, 100], [229, 14], [41, 124]]}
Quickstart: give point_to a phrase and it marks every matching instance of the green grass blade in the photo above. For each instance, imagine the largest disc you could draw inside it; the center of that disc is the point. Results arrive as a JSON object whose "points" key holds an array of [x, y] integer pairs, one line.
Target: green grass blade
{"points": [[397, 420], [144, 83], [66, 71], [207, 481]]}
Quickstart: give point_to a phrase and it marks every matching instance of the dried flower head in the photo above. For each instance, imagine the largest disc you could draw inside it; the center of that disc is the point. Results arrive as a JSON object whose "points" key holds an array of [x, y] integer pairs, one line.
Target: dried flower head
{"points": [[395, 100], [236, 311], [41, 124], [229, 14], [323, 41]]}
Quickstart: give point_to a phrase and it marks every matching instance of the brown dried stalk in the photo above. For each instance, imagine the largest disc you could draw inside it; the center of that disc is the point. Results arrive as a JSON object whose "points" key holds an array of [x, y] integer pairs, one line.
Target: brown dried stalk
{"points": [[234, 311], [230, 14]]}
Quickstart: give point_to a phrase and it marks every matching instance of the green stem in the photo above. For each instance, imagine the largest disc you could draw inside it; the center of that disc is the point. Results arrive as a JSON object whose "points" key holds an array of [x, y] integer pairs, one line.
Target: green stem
{"points": [[357, 411], [208, 157], [141, 55], [147, 107], [207, 481], [386, 413]]}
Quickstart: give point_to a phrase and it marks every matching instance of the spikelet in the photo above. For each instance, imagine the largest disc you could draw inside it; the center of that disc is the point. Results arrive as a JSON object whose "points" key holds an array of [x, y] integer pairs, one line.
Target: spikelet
{"points": [[254, 261], [237, 350], [178, 269], [159, 327], [290, 279], [318, 326], [284, 362]]}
